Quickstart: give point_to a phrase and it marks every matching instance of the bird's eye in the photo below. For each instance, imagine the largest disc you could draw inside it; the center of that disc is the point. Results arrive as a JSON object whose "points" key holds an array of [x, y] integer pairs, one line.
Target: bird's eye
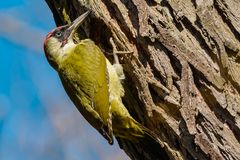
{"points": [[58, 34]]}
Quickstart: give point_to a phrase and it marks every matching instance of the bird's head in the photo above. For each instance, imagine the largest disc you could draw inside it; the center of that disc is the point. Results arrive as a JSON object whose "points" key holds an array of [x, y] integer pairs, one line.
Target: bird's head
{"points": [[60, 39]]}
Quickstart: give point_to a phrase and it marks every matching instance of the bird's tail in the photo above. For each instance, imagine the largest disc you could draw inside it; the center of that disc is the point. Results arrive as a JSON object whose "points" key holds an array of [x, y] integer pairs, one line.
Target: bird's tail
{"points": [[150, 134], [148, 144]]}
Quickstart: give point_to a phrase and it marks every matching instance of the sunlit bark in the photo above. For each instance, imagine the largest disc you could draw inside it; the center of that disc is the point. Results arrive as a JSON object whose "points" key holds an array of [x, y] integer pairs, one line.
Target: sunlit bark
{"points": [[183, 78]]}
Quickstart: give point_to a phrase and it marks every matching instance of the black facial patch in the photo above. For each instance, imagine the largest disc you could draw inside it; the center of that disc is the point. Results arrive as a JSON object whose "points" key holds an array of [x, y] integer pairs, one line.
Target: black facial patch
{"points": [[60, 33]]}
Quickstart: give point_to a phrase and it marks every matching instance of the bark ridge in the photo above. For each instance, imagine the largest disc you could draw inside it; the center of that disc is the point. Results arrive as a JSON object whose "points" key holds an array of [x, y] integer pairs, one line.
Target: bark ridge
{"points": [[182, 80]]}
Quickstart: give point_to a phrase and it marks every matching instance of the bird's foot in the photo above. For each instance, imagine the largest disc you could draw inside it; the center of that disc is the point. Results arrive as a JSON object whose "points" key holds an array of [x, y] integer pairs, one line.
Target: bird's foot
{"points": [[118, 67], [116, 52]]}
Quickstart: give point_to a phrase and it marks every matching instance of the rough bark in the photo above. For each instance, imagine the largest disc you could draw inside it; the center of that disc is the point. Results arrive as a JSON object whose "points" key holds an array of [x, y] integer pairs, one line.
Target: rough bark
{"points": [[183, 78]]}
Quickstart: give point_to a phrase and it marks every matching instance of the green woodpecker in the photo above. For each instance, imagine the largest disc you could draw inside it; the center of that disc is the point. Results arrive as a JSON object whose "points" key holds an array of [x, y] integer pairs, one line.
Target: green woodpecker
{"points": [[92, 82]]}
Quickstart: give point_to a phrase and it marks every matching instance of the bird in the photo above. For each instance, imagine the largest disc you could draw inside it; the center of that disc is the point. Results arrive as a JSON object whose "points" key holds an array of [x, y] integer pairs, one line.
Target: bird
{"points": [[93, 84]]}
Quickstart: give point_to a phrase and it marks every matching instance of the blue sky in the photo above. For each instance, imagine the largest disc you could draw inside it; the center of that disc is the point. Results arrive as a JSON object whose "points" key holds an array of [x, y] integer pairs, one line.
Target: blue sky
{"points": [[37, 119]]}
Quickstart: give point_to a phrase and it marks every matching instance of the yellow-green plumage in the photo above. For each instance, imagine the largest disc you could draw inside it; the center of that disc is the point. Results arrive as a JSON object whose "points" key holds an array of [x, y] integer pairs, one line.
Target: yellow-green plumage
{"points": [[95, 88], [84, 75], [123, 124], [92, 83]]}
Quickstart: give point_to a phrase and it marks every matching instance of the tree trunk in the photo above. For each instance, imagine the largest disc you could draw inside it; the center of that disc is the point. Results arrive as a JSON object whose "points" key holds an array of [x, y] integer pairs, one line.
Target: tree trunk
{"points": [[183, 77]]}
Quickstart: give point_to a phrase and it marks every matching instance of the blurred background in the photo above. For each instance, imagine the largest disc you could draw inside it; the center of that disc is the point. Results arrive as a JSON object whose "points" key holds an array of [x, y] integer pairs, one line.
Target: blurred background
{"points": [[37, 119]]}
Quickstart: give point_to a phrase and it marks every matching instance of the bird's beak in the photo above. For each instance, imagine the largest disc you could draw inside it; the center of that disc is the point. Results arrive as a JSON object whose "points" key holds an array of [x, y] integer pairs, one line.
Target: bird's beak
{"points": [[75, 24]]}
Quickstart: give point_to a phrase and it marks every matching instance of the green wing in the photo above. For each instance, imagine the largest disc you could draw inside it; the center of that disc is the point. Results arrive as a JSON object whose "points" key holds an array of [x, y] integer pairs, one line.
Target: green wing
{"points": [[84, 77]]}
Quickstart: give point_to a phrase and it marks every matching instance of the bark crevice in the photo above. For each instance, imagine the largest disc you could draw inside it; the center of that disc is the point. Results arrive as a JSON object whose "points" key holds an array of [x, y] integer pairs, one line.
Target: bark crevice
{"points": [[182, 80]]}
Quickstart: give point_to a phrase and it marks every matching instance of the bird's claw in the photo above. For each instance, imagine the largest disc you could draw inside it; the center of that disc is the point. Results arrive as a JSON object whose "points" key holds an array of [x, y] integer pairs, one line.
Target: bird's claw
{"points": [[116, 52]]}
